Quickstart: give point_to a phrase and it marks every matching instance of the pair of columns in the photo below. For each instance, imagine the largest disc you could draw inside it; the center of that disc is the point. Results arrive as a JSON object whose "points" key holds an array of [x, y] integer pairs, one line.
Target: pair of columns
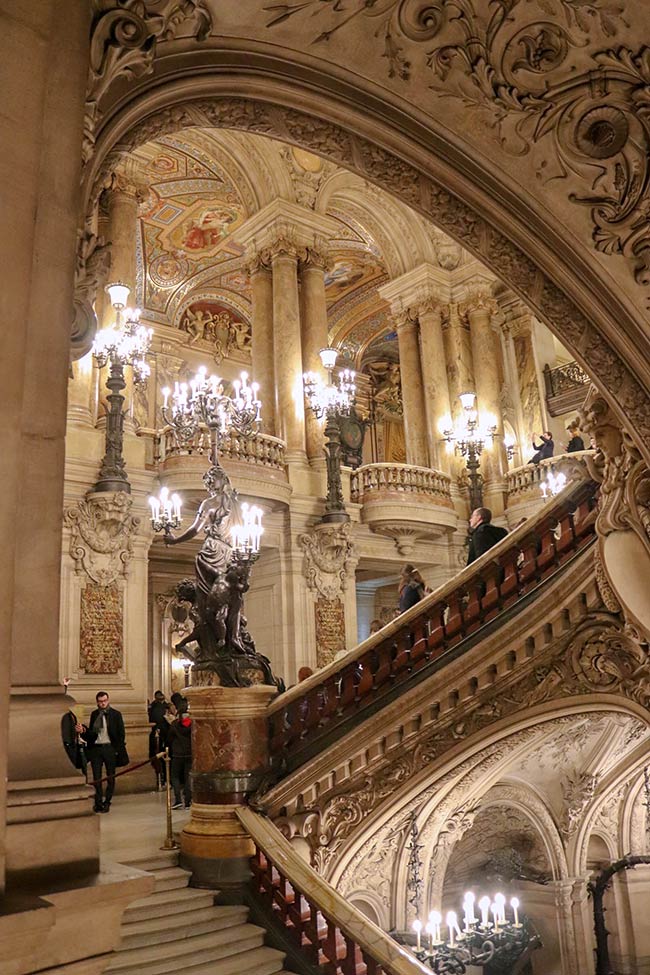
{"points": [[436, 366], [289, 329]]}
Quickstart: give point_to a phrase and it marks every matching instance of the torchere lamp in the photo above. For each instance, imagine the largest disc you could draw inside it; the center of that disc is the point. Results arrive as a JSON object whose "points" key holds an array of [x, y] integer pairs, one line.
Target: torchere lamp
{"points": [[232, 533], [126, 343], [331, 400], [469, 440]]}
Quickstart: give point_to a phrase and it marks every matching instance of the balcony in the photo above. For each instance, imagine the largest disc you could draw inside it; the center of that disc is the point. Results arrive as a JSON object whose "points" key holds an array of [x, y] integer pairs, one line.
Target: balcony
{"points": [[404, 502], [566, 388], [524, 484], [255, 464]]}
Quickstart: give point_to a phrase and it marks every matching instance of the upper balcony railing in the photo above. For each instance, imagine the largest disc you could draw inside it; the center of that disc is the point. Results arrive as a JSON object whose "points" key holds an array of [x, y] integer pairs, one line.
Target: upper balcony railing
{"points": [[311, 715], [373, 480], [259, 449], [566, 387], [528, 479], [323, 930]]}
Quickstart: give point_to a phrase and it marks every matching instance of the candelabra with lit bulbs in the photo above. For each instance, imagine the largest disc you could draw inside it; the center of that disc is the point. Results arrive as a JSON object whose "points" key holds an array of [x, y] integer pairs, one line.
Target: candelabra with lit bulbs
{"points": [[219, 642], [469, 441], [496, 940], [553, 484], [331, 400], [126, 343]]}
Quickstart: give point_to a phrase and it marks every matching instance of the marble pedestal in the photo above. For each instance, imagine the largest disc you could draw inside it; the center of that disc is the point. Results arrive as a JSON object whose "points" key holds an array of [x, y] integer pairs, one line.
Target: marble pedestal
{"points": [[230, 757]]}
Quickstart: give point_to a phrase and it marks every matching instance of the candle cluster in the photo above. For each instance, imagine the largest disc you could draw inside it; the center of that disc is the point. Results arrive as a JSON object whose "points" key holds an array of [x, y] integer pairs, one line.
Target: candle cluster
{"points": [[203, 400], [126, 342], [246, 537], [553, 484], [496, 909], [165, 511], [331, 397]]}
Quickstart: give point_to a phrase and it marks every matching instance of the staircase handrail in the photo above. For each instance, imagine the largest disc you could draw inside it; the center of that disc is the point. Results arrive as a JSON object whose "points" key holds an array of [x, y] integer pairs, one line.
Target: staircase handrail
{"points": [[277, 865], [416, 640]]}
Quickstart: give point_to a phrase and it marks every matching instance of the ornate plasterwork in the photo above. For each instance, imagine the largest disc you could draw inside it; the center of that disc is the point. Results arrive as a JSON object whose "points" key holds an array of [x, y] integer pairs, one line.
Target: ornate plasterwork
{"points": [[93, 262], [123, 40], [329, 559], [578, 790], [102, 531], [451, 214]]}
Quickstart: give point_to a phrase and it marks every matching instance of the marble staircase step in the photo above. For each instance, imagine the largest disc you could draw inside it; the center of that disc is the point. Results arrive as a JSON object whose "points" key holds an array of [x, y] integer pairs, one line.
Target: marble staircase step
{"points": [[171, 878], [163, 903], [182, 925], [159, 959], [259, 961]]}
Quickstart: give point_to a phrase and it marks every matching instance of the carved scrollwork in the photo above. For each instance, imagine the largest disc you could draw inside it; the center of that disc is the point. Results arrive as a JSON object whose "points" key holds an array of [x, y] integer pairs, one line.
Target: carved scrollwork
{"points": [[124, 36], [329, 558], [102, 530]]}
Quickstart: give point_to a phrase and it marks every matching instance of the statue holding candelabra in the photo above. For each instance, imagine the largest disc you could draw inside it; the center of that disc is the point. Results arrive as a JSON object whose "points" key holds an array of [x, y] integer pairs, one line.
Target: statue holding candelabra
{"points": [[219, 646]]}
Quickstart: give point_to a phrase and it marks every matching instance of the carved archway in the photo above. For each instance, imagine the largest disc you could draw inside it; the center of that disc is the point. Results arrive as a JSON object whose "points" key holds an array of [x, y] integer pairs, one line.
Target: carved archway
{"points": [[516, 243]]}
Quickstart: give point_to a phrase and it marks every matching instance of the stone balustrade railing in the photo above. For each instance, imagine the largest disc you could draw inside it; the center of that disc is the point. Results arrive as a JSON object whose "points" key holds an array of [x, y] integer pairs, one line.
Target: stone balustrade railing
{"points": [[376, 479], [318, 924], [330, 703], [528, 478], [259, 448]]}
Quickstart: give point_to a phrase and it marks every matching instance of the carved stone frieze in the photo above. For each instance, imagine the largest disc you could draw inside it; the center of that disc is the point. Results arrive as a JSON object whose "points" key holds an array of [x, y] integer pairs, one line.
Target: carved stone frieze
{"points": [[329, 559], [452, 215], [102, 531], [93, 262]]}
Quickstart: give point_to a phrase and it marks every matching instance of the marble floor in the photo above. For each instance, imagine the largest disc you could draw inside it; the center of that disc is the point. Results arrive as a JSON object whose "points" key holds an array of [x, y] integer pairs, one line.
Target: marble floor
{"points": [[136, 826]]}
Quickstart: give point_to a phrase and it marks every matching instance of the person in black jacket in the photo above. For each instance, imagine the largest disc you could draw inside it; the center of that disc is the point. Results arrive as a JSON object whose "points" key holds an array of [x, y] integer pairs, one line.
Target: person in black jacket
{"points": [[411, 588], [108, 749], [483, 535], [543, 450], [157, 712], [576, 442], [179, 740]]}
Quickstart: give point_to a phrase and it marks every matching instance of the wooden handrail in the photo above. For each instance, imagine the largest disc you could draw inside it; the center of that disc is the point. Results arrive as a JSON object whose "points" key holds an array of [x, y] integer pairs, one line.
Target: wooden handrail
{"points": [[413, 645], [331, 935]]}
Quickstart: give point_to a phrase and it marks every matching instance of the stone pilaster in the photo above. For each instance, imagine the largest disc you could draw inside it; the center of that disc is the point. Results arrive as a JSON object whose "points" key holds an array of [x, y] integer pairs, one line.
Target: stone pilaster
{"points": [[415, 421], [314, 332], [287, 354], [434, 377], [262, 336]]}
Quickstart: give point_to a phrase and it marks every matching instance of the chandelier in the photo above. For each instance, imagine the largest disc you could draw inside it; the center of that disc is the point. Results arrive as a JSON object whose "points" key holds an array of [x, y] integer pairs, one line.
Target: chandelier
{"points": [[127, 342], [493, 938], [336, 396], [553, 484], [204, 401], [469, 439]]}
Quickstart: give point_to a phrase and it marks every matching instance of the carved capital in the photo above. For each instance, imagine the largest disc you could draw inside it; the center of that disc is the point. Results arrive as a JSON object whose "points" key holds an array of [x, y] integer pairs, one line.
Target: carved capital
{"points": [[425, 304], [285, 245], [317, 256], [259, 262], [102, 530], [478, 303], [329, 559]]}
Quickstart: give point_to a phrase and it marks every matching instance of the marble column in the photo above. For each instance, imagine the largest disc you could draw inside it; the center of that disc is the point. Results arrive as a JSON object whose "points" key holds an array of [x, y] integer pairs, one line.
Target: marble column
{"points": [[287, 354], [479, 309], [458, 355], [415, 421], [314, 334], [44, 52], [262, 336], [434, 378]]}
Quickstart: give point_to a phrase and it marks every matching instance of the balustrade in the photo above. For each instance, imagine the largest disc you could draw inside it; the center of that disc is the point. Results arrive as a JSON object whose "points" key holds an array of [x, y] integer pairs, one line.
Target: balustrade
{"points": [[528, 479], [416, 644], [328, 934], [258, 448], [401, 478]]}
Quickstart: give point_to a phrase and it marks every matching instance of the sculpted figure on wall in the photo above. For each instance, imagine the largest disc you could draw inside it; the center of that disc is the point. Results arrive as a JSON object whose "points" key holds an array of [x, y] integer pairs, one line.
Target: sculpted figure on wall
{"points": [[205, 322]]}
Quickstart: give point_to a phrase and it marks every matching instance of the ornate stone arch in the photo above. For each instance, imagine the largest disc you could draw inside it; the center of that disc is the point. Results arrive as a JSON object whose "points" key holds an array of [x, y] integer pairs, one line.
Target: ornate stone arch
{"points": [[419, 166]]}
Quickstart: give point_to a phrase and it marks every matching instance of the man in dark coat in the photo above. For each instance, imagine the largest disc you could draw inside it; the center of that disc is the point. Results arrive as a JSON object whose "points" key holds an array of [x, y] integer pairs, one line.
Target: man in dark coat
{"points": [[108, 750], [544, 449], [483, 535], [180, 747], [157, 713]]}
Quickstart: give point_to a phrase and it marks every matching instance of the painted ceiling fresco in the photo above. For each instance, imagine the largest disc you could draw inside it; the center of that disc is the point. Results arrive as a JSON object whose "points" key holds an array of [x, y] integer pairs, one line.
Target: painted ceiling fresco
{"points": [[189, 213]]}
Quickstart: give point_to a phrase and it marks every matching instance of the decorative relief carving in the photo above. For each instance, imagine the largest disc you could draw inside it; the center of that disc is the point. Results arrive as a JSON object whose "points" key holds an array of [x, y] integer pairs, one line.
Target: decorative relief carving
{"points": [[102, 530], [330, 629], [451, 214], [93, 262], [578, 789], [124, 35], [329, 558]]}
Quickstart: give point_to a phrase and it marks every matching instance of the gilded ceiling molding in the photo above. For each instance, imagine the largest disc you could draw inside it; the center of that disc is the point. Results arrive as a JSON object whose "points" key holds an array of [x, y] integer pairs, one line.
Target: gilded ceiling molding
{"points": [[420, 191]]}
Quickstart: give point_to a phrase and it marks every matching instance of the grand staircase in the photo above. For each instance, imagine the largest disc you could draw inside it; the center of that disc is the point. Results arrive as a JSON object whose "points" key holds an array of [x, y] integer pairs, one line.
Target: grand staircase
{"points": [[180, 929]]}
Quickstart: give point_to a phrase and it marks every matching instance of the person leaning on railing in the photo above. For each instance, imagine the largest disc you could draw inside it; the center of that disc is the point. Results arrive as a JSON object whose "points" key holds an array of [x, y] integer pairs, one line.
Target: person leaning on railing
{"points": [[543, 450]]}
